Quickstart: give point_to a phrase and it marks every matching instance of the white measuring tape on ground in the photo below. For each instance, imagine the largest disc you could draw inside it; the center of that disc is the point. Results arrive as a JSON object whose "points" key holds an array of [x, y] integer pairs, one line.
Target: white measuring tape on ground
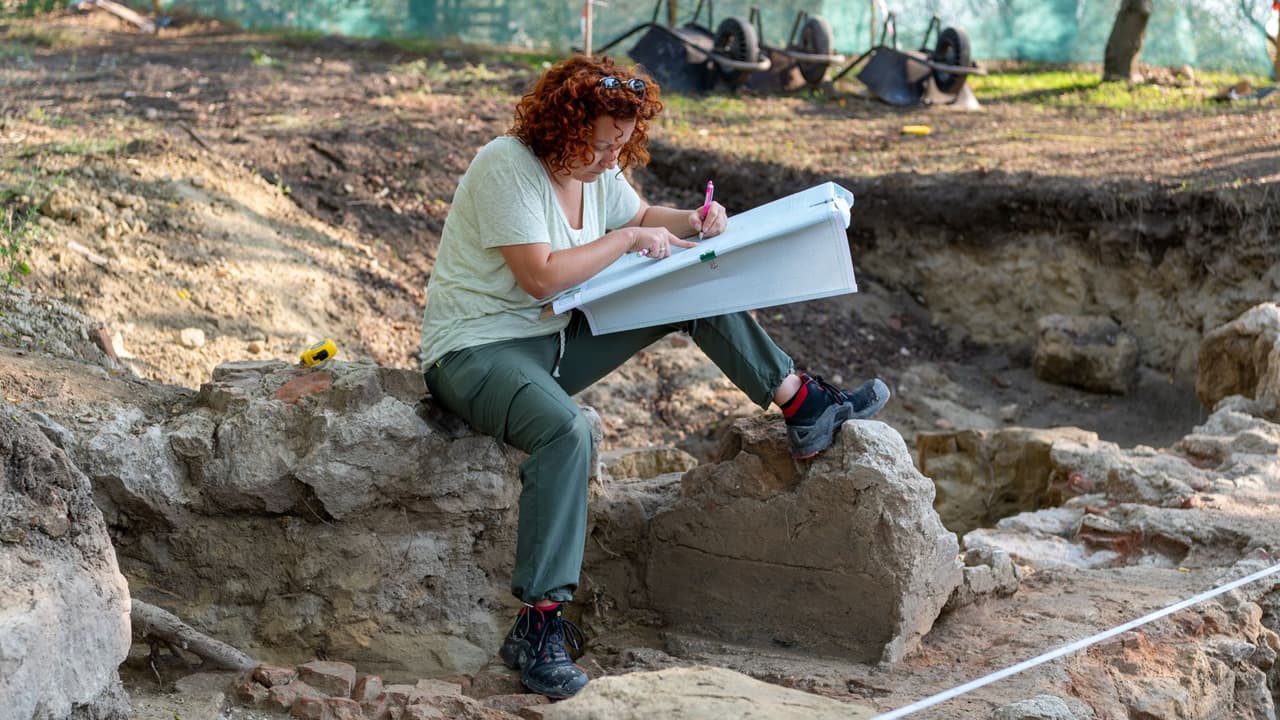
{"points": [[1067, 649]]}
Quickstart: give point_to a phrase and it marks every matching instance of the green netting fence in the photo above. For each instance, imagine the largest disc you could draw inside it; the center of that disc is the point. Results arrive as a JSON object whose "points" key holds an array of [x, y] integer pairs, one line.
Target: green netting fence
{"points": [[1207, 34]]}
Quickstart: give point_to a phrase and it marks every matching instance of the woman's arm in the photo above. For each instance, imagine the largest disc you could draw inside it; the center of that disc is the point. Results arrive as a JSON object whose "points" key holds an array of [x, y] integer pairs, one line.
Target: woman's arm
{"points": [[683, 223], [542, 272]]}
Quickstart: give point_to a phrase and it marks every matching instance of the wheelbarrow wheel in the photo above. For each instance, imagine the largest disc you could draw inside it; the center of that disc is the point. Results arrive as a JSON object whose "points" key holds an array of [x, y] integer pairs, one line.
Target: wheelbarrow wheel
{"points": [[736, 39], [815, 39], [952, 49]]}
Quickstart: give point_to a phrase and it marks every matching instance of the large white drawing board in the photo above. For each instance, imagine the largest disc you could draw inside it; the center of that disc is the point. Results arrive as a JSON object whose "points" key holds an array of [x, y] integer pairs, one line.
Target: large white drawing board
{"points": [[785, 251]]}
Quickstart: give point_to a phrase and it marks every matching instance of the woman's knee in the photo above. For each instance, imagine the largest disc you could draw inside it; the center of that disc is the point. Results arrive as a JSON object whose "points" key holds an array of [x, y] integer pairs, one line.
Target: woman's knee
{"points": [[551, 420], [574, 429]]}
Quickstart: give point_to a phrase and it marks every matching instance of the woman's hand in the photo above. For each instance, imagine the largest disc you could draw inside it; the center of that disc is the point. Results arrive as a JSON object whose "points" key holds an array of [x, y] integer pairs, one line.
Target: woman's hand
{"points": [[656, 242], [713, 224]]}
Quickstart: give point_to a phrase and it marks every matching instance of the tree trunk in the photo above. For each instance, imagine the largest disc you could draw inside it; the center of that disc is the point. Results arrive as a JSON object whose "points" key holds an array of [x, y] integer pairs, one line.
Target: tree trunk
{"points": [[1121, 60], [1275, 69]]}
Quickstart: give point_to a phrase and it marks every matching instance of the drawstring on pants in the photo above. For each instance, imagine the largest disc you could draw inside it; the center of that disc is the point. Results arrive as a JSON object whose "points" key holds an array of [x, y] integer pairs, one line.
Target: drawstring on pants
{"points": [[555, 371]]}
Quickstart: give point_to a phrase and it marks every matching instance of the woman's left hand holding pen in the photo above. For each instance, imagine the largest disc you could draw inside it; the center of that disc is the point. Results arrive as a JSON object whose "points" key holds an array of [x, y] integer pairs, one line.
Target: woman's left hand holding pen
{"points": [[713, 224]]}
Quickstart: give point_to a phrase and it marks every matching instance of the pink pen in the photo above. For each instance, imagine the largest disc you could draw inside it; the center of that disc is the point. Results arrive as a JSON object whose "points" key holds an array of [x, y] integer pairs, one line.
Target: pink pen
{"points": [[706, 204]]}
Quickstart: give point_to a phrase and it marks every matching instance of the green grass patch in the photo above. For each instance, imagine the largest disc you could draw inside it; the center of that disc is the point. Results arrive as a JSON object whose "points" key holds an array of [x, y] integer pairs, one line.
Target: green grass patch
{"points": [[452, 49], [433, 71], [31, 36], [1081, 89], [717, 108], [482, 79], [260, 57], [28, 8], [41, 116], [294, 37], [86, 147], [18, 233]]}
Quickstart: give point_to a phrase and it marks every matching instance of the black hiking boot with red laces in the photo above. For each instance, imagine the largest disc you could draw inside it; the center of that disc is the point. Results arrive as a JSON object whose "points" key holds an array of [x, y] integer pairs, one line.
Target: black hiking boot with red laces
{"points": [[818, 409], [536, 647]]}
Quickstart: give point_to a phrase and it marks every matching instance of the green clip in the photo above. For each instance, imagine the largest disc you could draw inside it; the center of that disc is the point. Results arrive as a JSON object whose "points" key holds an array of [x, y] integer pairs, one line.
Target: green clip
{"points": [[708, 255]]}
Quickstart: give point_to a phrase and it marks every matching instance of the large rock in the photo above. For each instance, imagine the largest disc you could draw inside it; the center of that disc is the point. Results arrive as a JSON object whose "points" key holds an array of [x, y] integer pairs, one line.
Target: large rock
{"points": [[694, 693], [1243, 358], [843, 554], [1091, 352], [64, 606]]}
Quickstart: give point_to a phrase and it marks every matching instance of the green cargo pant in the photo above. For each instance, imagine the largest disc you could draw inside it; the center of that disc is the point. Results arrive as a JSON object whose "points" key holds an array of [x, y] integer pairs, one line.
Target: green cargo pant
{"points": [[506, 389]]}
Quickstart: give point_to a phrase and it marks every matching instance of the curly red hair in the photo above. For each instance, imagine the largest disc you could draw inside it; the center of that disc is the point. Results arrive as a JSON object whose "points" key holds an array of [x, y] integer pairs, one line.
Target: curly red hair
{"points": [[555, 119]]}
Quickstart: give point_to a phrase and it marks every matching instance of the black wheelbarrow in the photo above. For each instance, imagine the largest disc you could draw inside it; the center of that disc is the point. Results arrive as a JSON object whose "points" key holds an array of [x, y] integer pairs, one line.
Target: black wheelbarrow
{"points": [[903, 77], [692, 58], [804, 60]]}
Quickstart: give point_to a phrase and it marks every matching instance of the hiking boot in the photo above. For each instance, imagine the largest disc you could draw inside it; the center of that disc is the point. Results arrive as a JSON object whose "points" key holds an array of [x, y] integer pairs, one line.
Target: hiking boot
{"points": [[819, 408], [536, 647]]}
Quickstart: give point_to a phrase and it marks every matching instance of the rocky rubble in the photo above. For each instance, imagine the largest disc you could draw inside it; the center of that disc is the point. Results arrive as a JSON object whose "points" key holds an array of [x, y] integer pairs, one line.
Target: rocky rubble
{"points": [[1205, 504], [34, 323], [326, 690], [288, 510], [329, 690], [112, 216]]}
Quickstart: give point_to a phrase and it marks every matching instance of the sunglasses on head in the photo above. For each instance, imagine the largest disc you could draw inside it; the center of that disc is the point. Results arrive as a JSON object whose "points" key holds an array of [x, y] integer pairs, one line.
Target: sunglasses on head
{"points": [[635, 85]]}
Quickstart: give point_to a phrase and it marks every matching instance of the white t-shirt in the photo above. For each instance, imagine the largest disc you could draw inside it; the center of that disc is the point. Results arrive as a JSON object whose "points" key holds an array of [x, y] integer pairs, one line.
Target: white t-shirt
{"points": [[506, 198]]}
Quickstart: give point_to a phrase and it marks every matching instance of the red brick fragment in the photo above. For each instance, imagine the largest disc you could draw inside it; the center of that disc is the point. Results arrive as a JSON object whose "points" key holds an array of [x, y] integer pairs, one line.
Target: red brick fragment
{"points": [[308, 708], [330, 678], [304, 385]]}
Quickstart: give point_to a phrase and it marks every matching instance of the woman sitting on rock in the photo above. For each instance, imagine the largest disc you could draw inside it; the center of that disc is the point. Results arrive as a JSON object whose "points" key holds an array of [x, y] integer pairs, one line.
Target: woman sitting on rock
{"points": [[538, 211]]}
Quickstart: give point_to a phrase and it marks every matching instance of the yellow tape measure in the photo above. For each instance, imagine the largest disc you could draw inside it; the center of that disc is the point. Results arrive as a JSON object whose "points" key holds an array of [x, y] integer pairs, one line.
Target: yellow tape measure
{"points": [[324, 350]]}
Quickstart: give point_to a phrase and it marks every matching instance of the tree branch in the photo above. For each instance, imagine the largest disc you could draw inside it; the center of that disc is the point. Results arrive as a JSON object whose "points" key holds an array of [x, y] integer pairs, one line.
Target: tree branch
{"points": [[150, 621]]}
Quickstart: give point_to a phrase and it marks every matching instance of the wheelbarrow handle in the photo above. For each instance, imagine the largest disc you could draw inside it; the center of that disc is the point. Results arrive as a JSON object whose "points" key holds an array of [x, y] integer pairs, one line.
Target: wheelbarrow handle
{"points": [[804, 57], [761, 65], [852, 65], [953, 69]]}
